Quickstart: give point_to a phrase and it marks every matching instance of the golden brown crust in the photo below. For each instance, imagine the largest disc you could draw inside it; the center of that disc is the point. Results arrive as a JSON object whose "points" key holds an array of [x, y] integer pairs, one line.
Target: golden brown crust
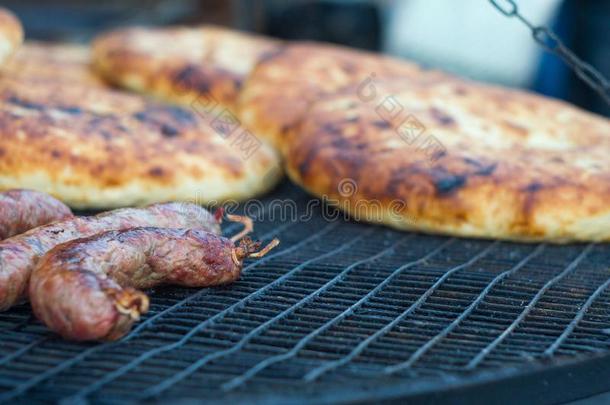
{"points": [[179, 64], [98, 148], [53, 62], [501, 164], [282, 86], [11, 35]]}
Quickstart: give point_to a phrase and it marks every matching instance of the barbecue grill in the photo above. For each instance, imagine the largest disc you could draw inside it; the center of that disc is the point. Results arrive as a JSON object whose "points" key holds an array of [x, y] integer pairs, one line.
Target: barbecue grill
{"points": [[344, 312]]}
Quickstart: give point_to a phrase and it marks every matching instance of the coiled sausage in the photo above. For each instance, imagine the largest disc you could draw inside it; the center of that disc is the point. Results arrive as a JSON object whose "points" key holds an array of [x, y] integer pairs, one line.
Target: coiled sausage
{"points": [[19, 253], [22, 210], [86, 289]]}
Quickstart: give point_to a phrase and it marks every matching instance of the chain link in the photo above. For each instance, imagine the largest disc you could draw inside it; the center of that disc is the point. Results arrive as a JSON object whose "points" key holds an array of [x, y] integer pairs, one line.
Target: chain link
{"points": [[548, 40]]}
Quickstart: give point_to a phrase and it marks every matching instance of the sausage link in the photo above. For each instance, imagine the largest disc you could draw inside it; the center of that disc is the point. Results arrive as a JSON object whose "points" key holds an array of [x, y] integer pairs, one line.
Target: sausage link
{"points": [[86, 289], [22, 210], [19, 253]]}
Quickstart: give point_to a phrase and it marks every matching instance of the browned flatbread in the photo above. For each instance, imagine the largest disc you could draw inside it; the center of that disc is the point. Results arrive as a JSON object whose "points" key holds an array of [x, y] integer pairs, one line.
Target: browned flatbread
{"points": [[11, 35], [53, 62], [281, 88], [180, 64], [392, 143], [97, 148], [461, 158]]}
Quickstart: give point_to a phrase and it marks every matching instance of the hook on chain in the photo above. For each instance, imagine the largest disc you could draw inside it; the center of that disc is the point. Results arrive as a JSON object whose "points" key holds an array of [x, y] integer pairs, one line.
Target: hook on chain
{"points": [[506, 7], [548, 40]]}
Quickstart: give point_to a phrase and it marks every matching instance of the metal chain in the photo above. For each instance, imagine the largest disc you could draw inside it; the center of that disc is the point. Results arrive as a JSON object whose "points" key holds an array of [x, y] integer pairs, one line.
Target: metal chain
{"points": [[547, 39]]}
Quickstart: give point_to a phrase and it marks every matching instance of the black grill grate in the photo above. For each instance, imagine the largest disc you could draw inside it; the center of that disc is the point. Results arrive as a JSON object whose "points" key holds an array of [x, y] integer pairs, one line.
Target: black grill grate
{"points": [[340, 311]]}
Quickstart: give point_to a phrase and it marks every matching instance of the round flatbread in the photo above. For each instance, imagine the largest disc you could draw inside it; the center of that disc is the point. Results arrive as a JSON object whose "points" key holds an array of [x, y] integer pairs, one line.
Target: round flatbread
{"points": [[11, 35], [97, 148], [53, 62], [180, 64], [281, 88], [443, 155]]}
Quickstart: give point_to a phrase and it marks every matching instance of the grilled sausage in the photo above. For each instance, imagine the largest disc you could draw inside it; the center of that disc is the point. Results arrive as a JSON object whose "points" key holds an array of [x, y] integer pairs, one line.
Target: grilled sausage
{"points": [[85, 289], [22, 210], [19, 253]]}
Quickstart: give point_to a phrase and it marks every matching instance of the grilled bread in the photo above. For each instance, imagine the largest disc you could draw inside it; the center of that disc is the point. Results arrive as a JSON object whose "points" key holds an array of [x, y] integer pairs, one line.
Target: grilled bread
{"points": [[11, 35], [94, 147], [53, 62], [281, 88], [181, 64], [389, 142], [449, 156]]}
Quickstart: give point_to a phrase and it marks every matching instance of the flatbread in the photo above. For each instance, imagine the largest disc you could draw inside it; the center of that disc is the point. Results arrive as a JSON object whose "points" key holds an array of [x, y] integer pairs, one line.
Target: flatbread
{"points": [[282, 86], [11, 35], [94, 147], [389, 142], [53, 62], [180, 64], [462, 159]]}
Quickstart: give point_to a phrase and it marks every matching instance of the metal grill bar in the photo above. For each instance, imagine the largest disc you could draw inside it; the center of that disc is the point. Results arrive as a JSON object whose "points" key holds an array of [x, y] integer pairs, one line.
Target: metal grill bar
{"points": [[157, 389], [29, 384], [239, 380], [232, 227], [430, 343], [24, 349], [488, 349], [581, 313], [324, 368]]}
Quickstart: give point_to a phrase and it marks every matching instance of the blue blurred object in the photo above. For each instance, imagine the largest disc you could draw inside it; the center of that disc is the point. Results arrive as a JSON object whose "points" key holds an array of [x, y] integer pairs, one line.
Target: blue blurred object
{"points": [[584, 26], [553, 75]]}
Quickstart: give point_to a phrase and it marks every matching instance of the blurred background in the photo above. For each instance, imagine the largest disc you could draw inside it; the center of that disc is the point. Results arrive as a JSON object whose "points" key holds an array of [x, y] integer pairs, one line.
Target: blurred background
{"points": [[467, 37]]}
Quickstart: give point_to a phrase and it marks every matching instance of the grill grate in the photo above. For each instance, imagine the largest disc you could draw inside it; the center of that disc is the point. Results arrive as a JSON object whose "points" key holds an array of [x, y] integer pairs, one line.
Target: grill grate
{"points": [[338, 311]]}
